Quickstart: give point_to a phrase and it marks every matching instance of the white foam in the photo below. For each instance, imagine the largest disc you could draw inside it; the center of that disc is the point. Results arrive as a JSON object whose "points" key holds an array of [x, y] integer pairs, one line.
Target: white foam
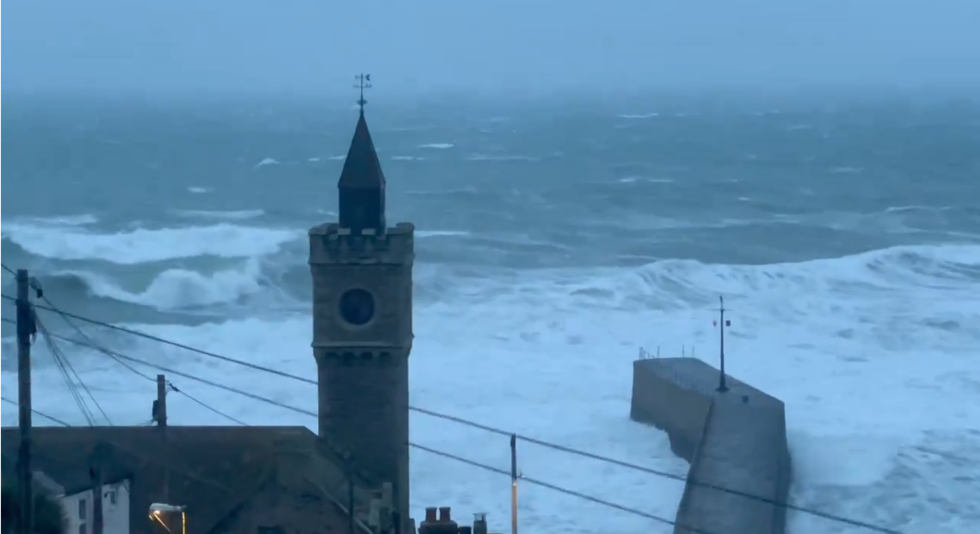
{"points": [[408, 158], [500, 157], [871, 388], [198, 190], [83, 219], [180, 288], [265, 162], [438, 146], [440, 233], [639, 116], [233, 215], [147, 245]]}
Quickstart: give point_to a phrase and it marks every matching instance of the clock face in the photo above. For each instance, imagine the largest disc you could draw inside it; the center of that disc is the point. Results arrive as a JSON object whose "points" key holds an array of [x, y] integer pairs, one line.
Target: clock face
{"points": [[357, 306]]}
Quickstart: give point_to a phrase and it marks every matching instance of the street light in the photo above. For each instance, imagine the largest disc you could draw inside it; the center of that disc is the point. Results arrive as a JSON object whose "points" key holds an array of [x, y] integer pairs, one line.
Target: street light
{"points": [[157, 509]]}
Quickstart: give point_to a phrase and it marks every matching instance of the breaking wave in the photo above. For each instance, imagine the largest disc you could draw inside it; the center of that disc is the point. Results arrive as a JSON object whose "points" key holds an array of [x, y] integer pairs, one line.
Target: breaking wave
{"points": [[234, 215], [147, 245], [175, 289], [437, 146]]}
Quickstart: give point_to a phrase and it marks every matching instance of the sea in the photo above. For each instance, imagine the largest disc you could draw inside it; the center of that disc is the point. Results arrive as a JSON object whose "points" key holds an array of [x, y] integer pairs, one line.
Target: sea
{"points": [[555, 239]]}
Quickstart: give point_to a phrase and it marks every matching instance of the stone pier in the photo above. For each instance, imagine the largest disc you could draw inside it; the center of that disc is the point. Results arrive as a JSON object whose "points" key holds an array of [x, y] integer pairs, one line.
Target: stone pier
{"points": [[734, 441]]}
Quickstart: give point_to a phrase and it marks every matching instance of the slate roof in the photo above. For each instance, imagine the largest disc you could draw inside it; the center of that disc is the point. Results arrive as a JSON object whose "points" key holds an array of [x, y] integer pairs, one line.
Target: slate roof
{"points": [[230, 478], [362, 169]]}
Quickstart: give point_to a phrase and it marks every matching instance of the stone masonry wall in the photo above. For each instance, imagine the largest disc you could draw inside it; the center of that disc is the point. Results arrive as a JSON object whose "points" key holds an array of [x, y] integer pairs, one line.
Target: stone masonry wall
{"points": [[734, 440]]}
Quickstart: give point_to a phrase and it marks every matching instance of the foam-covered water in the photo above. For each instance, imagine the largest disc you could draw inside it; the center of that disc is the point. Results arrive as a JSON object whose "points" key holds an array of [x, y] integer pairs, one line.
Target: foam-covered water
{"points": [[552, 245]]}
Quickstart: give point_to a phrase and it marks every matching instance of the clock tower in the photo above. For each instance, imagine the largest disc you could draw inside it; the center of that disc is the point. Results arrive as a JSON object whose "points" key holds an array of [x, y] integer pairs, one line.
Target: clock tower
{"points": [[362, 323]]}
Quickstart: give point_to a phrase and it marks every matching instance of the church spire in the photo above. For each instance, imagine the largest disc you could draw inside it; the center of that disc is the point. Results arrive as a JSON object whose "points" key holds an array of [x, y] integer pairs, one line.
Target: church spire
{"points": [[362, 182]]}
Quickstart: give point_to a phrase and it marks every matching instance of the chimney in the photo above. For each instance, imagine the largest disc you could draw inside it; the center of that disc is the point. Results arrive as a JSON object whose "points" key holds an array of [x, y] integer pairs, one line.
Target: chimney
{"points": [[430, 524], [386, 492], [384, 511], [446, 523], [374, 514], [480, 523]]}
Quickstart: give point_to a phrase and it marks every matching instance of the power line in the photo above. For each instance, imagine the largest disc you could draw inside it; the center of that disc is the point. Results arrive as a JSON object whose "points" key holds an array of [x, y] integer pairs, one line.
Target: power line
{"points": [[205, 406], [67, 371], [175, 372], [188, 348], [122, 358], [93, 345], [42, 414], [472, 424], [123, 363], [554, 487], [492, 469]]}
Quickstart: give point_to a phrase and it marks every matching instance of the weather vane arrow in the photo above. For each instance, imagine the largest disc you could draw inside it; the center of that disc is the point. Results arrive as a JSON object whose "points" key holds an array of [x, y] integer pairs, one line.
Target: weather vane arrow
{"points": [[363, 82]]}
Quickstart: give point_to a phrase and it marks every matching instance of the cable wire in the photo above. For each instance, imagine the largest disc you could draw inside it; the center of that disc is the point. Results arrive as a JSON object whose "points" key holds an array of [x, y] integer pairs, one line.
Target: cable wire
{"points": [[68, 371], [472, 424], [205, 406], [42, 414], [496, 470], [188, 348], [92, 344]]}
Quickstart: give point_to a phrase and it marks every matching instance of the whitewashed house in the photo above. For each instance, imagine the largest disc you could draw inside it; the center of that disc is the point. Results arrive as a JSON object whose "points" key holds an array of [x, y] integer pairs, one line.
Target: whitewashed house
{"points": [[115, 509]]}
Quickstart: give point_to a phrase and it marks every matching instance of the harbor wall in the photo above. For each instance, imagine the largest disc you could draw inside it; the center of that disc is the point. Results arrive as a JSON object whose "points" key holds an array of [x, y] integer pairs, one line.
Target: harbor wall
{"points": [[735, 442]]}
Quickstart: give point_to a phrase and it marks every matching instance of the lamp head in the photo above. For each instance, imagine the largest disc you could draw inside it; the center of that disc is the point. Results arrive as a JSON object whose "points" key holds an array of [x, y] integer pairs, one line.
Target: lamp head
{"points": [[158, 508]]}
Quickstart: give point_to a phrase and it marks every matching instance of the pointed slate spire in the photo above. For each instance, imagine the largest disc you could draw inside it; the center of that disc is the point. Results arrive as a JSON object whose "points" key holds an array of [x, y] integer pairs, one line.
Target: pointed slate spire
{"points": [[362, 182]]}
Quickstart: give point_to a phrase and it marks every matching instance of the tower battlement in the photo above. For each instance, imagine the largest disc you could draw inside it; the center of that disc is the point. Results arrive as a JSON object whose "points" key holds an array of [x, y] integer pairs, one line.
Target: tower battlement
{"points": [[331, 244]]}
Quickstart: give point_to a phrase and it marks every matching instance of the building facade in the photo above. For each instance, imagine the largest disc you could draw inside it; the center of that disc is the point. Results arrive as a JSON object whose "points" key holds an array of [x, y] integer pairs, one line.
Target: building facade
{"points": [[79, 508]]}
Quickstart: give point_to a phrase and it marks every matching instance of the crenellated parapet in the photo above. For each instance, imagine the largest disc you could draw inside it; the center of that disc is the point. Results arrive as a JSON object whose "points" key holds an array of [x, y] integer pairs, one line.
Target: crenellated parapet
{"points": [[331, 244]]}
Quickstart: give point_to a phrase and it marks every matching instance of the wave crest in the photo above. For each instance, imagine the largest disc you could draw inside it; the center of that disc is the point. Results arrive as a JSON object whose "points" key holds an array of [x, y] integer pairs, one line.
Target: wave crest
{"points": [[175, 289], [148, 245]]}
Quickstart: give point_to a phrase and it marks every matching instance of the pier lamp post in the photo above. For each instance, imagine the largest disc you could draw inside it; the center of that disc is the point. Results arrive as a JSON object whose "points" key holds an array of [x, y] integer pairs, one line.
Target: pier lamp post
{"points": [[722, 323], [158, 509]]}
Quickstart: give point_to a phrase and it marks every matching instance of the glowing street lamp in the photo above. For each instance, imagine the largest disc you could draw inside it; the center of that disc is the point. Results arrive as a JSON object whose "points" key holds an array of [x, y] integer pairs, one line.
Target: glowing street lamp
{"points": [[158, 509]]}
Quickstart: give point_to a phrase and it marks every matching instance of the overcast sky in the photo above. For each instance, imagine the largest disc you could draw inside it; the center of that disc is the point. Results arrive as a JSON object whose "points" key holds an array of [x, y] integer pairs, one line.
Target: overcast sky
{"points": [[522, 45]]}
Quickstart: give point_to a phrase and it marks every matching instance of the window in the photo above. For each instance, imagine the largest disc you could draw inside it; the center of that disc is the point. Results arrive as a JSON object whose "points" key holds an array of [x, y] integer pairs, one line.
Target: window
{"points": [[82, 509], [111, 495], [82, 528]]}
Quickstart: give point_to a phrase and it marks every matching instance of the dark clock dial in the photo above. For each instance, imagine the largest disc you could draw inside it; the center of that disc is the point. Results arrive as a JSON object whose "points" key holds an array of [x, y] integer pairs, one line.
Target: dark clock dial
{"points": [[357, 306]]}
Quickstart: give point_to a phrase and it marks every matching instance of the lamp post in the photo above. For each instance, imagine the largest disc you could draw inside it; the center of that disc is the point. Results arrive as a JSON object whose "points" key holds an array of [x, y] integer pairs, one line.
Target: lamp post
{"points": [[722, 323], [158, 509]]}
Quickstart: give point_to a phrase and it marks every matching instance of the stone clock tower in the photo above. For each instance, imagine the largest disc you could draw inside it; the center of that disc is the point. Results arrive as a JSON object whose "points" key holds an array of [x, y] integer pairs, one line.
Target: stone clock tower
{"points": [[362, 323]]}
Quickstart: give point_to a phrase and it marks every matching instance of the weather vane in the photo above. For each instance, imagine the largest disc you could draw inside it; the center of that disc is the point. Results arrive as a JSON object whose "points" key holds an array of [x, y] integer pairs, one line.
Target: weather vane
{"points": [[363, 82]]}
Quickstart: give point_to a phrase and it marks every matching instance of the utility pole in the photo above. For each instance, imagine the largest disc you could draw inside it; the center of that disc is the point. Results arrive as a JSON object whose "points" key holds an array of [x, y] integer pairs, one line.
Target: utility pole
{"points": [[160, 416], [349, 472], [513, 484], [722, 384], [97, 484], [160, 405], [26, 328]]}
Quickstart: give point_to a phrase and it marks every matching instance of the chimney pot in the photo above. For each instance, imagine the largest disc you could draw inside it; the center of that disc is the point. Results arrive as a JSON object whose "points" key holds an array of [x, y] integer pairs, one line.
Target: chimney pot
{"points": [[430, 513], [444, 514], [480, 523]]}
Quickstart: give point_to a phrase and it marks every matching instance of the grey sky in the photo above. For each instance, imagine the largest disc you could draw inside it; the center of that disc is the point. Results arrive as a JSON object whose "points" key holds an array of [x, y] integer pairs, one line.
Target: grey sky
{"points": [[534, 45]]}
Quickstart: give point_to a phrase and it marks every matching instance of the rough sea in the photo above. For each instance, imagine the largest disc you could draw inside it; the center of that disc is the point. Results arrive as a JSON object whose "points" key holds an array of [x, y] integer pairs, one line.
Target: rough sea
{"points": [[554, 241]]}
